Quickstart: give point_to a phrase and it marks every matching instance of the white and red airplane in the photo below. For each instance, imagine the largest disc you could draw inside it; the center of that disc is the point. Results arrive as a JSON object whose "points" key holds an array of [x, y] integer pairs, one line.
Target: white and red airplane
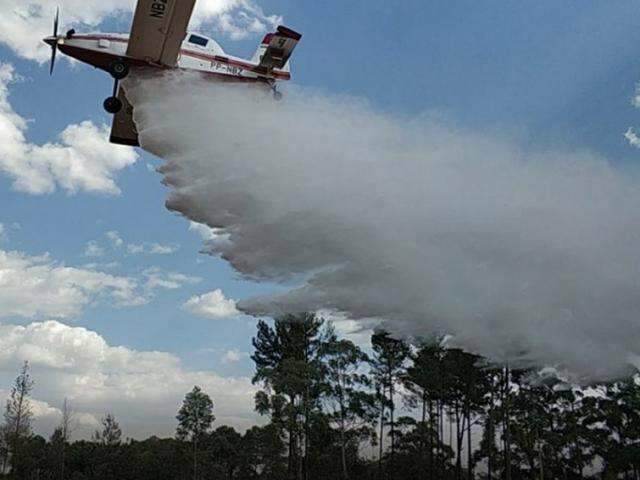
{"points": [[159, 40]]}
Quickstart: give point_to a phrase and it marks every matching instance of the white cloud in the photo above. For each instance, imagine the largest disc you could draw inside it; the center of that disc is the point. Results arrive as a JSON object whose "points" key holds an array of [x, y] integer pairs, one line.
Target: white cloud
{"points": [[39, 287], [157, 249], [156, 278], [632, 137], [92, 249], [23, 24], [233, 356], [114, 237], [101, 265], [82, 160], [151, 248], [135, 248], [143, 389], [212, 305]]}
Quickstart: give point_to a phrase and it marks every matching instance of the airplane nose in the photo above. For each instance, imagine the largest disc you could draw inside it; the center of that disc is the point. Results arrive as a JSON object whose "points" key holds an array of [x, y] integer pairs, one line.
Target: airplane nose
{"points": [[49, 40]]}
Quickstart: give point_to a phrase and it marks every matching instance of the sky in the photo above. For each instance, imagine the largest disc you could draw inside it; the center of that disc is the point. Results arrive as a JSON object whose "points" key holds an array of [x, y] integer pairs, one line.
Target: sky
{"points": [[107, 293]]}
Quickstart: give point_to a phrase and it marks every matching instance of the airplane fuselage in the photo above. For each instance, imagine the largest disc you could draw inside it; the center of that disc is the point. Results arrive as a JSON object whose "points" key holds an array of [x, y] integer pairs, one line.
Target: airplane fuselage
{"points": [[205, 56]]}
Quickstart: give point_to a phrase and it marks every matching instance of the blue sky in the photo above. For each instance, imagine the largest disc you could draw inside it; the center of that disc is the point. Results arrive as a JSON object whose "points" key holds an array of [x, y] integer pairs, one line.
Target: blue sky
{"points": [[549, 73]]}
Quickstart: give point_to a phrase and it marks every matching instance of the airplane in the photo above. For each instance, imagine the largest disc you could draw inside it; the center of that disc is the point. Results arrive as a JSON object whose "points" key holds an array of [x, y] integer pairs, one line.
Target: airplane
{"points": [[159, 40]]}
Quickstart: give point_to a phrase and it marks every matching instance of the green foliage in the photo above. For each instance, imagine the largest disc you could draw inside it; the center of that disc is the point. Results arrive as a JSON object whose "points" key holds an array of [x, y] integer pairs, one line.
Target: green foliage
{"points": [[111, 434], [421, 411], [195, 417]]}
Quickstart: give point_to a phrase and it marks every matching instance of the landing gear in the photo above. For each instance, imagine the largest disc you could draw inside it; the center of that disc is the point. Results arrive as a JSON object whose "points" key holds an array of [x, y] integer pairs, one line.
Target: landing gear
{"points": [[277, 96], [118, 69], [113, 104]]}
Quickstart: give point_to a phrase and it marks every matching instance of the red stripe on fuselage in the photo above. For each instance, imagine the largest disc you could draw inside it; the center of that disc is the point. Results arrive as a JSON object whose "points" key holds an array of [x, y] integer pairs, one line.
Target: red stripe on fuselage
{"points": [[102, 60]]}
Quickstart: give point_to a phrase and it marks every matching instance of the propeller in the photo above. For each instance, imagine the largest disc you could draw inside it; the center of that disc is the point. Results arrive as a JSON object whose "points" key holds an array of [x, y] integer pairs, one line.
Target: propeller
{"points": [[54, 44]]}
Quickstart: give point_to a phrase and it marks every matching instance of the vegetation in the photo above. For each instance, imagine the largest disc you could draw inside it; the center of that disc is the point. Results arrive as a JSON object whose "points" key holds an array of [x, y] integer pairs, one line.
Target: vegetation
{"points": [[333, 411]]}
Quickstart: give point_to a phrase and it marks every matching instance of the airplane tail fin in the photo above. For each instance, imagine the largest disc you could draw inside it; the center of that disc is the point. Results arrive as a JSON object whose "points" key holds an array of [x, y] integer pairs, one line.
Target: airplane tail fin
{"points": [[276, 49]]}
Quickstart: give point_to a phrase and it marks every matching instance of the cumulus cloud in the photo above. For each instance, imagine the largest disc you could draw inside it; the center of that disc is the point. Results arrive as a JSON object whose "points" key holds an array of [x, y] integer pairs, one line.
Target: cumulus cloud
{"points": [[37, 286], [233, 356], [144, 389], [212, 305], [114, 238], [92, 249], [82, 159], [522, 254], [23, 24]]}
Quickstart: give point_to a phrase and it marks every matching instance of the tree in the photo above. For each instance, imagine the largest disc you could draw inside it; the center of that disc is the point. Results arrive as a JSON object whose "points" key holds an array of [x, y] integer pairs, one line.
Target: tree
{"points": [[110, 434], [388, 366], [288, 360], [225, 445], [17, 416], [425, 385], [62, 434], [195, 418], [351, 407]]}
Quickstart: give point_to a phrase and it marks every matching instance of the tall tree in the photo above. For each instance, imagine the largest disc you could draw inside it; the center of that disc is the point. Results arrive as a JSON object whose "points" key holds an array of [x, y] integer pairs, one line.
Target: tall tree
{"points": [[62, 434], [424, 385], [388, 365], [288, 359], [18, 416], [195, 418], [111, 434], [350, 405]]}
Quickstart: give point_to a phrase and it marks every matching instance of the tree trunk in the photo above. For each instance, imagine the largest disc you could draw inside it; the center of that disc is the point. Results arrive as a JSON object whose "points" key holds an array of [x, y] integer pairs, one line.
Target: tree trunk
{"points": [[195, 459], [381, 436], [391, 470], [492, 438], [63, 459], [431, 429], [507, 430], [469, 452], [343, 442]]}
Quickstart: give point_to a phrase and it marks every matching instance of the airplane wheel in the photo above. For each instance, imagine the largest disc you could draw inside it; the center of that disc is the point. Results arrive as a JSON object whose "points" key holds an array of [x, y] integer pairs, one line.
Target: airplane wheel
{"points": [[112, 105], [118, 69], [277, 96]]}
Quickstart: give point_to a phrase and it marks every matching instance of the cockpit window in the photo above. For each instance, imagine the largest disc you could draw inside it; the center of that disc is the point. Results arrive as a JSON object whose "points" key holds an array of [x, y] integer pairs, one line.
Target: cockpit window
{"points": [[198, 40]]}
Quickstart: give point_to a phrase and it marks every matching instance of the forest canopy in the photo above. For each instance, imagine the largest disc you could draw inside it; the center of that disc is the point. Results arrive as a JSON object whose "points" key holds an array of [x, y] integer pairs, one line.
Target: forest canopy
{"points": [[332, 410]]}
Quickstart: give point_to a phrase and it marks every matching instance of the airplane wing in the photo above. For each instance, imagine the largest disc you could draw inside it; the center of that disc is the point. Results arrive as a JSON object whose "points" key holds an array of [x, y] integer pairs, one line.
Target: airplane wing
{"points": [[123, 130], [278, 48], [159, 27]]}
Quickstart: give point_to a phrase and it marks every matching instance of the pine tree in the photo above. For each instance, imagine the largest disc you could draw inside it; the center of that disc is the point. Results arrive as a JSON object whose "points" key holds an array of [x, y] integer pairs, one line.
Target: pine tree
{"points": [[18, 416], [388, 366], [111, 434], [350, 406], [195, 418], [288, 359]]}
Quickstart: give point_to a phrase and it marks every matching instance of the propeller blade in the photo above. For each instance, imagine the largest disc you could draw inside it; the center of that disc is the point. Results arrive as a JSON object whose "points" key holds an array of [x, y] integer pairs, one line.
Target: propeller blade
{"points": [[54, 47], [55, 22], [54, 50]]}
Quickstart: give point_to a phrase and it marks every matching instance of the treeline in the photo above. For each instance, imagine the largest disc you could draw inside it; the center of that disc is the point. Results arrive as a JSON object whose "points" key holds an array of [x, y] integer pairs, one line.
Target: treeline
{"points": [[401, 411]]}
